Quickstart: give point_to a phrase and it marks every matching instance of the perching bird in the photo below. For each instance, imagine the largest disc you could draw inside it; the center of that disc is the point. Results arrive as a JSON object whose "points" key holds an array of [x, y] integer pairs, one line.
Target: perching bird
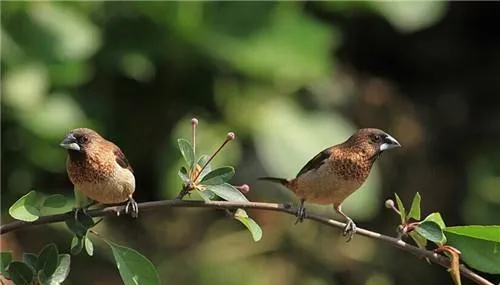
{"points": [[336, 172], [99, 169]]}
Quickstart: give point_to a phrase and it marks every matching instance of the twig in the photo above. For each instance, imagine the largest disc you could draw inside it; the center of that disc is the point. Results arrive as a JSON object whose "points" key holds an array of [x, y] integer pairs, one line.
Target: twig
{"points": [[284, 208]]}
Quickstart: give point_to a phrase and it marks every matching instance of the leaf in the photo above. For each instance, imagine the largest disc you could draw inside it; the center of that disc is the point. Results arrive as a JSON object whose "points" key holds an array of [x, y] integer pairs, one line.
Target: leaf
{"points": [[418, 239], [415, 208], [207, 195], [62, 269], [454, 269], [401, 208], [135, 268], [251, 225], [89, 247], [76, 245], [227, 192], [218, 176], [183, 175], [55, 201], [201, 162], [480, 246], [5, 260], [31, 260], [48, 260], [187, 152], [26, 209], [431, 231], [436, 217], [20, 273], [80, 225]]}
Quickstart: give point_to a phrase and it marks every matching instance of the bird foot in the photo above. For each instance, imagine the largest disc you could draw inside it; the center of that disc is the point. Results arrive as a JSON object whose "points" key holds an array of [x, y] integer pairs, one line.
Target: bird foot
{"points": [[134, 211], [301, 214], [349, 230]]}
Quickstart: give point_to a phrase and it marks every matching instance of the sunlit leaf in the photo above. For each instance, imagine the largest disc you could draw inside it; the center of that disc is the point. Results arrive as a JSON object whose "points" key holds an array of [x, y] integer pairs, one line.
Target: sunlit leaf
{"points": [[62, 269], [251, 225], [89, 247], [418, 239], [187, 152], [201, 162], [480, 246], [26, 209], [55, 201], [183, 174], [48, 260], [218, 176], [135, 268], [401, 208], [431, 231], [227, 192], [76, 245], [415, 208], [207, 195], [436, 217], [20, 273]]}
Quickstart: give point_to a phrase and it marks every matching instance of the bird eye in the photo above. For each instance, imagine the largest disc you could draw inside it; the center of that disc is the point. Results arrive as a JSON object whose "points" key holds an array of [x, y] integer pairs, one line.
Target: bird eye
{"points": [[84, 139], [377, 138]]}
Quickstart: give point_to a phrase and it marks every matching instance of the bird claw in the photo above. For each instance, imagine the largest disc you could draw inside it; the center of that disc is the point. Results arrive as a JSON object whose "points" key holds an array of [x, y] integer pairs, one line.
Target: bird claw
{"points": [[349, 230], [134, 212], [301, 214]]}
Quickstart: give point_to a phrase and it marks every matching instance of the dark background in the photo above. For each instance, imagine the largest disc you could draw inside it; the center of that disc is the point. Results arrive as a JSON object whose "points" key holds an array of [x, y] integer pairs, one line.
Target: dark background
{"points": [[289, 79]]}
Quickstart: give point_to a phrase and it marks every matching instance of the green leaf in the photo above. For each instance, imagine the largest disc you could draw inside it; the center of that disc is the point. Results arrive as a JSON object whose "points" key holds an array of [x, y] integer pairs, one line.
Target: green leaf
{"points": [[479, 245], [76, 245], [201, 162], [89, 247], [55, 201], [5, 260], [218, 176], [80, 225], [26, 208], [415, 208], [418, 239], [436, 217], [135, 268], [187, 152], [31, 260], [431, 231], [62, 270], [207, 195], [48, 260], [183, 174], [227, 192], [401, 208], [251, 225], [20, 273]]}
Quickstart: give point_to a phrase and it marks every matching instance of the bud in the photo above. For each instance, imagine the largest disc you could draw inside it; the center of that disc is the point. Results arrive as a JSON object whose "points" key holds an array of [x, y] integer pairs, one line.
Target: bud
{"points": [[243, 188], [194, 121], [389, 204], [231, 136]]}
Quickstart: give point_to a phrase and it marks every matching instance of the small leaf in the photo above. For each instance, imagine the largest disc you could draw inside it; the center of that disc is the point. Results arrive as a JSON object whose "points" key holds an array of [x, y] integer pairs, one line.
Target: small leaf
{"points": [[480, 246], [81, 225], [207, 195], [55, 201], [218, 176], [183, 175], [20, 273], [251, 225], [431, 231], [31, 260], [135, 268], [76, 245], [89, 247], [401, 208], [227, 192], [62, 270], [5, 260], [415, 208], [418, 239], [436, 217], [48, 260], [187, 152], [26, 208], [201, 162]]}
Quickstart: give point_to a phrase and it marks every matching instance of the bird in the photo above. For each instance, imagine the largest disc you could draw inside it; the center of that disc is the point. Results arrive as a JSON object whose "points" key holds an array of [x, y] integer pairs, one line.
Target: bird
{"points": [[338, 171], [99, 169]]}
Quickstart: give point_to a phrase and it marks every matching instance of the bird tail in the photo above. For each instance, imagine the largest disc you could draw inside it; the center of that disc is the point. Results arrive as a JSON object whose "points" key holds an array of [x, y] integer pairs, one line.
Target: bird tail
{"points": [[281, 181]]}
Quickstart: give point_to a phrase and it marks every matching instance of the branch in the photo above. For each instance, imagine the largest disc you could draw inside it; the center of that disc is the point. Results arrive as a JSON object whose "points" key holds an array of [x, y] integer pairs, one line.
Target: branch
{"points": [[284, 208]]}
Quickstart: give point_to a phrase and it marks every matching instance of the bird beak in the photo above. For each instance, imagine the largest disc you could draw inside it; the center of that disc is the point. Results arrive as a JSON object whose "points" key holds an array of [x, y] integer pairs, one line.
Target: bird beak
{"points": [[389, 142], [69, 142]]}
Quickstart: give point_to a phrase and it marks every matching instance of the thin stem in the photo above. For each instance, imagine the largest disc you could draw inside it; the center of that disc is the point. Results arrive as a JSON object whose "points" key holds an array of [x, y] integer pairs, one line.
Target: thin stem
{"points": [[211, 157], [284, 208]]}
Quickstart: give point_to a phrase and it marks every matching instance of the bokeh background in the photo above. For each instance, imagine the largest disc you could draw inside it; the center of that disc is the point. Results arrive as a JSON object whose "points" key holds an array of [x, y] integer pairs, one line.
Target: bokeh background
{"points": [[289, 78]]}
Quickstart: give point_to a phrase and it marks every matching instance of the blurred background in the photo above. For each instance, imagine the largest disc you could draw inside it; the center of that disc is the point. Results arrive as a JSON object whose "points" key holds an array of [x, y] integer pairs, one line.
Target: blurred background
{"points": [[289, 79]]}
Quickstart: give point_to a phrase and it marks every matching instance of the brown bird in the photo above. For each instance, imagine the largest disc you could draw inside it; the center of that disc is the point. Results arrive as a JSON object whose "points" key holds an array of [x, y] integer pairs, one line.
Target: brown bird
{"points": [[99, 169], [336, 172]]}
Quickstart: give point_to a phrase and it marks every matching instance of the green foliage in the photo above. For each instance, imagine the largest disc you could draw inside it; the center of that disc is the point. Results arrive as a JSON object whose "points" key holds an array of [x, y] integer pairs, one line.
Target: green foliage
{"points": [[135, 269], [5, 260], [218, 176], [76, 245], [431, 231], [89, 247], [48, 260], [436, 217], [415, 208], [479, 245], [20, 273], [227, 192], [30, 206], [401, 208], [187, 152], [242, 216]]}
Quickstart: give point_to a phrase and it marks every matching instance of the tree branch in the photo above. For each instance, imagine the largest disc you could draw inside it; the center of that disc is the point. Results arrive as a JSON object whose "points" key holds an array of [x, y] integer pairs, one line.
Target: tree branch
{"points": [[284, 208]]}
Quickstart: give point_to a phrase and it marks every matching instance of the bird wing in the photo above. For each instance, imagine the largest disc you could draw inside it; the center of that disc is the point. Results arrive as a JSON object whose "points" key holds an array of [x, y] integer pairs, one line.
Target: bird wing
{"points": [[121, 159], [316, 161]]}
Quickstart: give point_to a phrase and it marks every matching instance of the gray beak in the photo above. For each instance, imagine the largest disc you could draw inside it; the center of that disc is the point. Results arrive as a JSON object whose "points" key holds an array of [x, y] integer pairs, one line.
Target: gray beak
{"points": [[69, 143], [389, 142]]}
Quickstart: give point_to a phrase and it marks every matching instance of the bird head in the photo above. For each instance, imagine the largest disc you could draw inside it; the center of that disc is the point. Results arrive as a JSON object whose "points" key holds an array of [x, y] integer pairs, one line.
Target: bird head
{"points": [[372, 142], [79, 140]]}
